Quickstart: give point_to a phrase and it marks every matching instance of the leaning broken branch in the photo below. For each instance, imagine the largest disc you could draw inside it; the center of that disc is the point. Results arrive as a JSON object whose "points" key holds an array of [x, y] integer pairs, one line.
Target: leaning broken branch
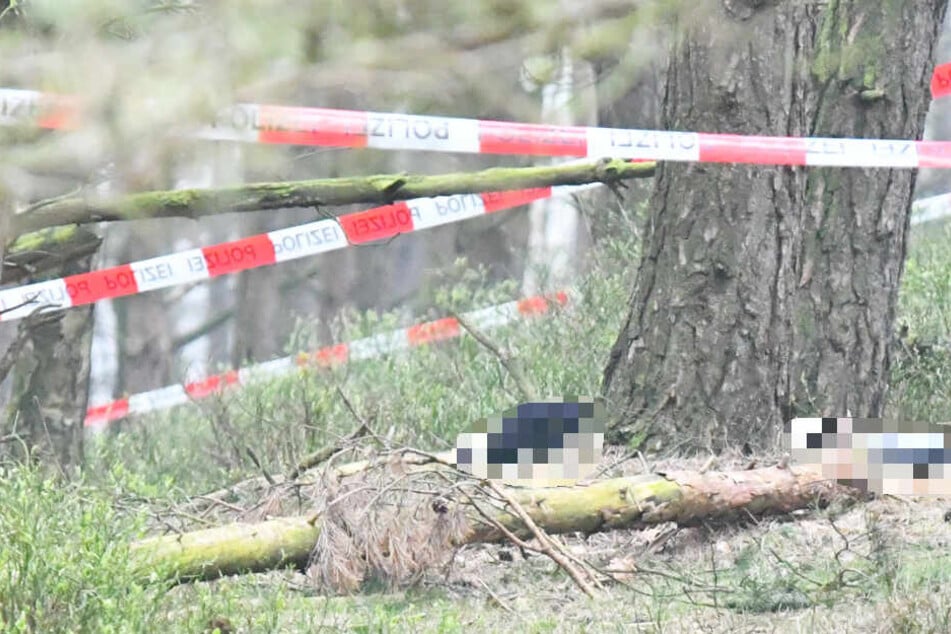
{"points": [[379, 189], [524, 385], [683, 497]]}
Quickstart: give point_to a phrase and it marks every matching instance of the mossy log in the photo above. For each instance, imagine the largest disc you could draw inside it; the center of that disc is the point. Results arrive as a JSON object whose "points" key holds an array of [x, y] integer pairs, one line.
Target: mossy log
{"points": [[683, 497], [38, 252], [378, 189]]}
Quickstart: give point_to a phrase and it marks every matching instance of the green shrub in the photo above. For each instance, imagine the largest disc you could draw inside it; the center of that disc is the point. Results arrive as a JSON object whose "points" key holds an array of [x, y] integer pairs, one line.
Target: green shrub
{"points": [[64, 559]]}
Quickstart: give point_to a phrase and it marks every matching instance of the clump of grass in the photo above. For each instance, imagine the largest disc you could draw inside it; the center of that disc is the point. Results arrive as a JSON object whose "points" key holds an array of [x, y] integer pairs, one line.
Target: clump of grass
{"points": [[64, 559], [925, 298], [921, 371]]}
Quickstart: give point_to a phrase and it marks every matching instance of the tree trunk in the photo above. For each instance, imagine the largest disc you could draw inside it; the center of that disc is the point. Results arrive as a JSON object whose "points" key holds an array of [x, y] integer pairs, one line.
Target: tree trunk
{"points": [[770, 292], [684, 497], [554, 222], [144, 329], [262, 320], [50, 387]]}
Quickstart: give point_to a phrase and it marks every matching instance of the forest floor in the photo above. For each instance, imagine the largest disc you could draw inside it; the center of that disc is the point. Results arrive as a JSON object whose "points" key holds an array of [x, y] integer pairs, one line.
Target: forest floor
{"points": [[875, 566], [881, 565]]}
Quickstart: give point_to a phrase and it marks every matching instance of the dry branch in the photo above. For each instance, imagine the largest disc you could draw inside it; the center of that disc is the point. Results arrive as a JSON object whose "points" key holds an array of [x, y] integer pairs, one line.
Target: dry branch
{"points": [[547, 545], [524, 385], [379, 189], [683, 497]]}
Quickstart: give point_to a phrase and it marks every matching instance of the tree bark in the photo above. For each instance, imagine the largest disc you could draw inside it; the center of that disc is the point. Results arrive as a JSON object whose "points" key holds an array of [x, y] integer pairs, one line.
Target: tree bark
{"points": [[686, 498], [770, 292], [50, 388]]}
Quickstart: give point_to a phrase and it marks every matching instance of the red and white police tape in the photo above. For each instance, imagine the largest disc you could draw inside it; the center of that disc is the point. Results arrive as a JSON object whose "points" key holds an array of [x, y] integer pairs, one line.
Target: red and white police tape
{"points": [[296, 242], [352, 128], [263, 249], [366, 348]]}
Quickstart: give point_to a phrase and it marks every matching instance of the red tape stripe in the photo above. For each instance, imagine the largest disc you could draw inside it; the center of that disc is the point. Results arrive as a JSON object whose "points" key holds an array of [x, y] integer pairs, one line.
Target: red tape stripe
{"points": [[87, 288], [107, 413], [497, 201], [934, 154], [332, 355], [238, 255], [941, 81], [378, 223], [313, 126], [445, 328], [499, 137], [212, 384], [733, 148], [533, 305]]}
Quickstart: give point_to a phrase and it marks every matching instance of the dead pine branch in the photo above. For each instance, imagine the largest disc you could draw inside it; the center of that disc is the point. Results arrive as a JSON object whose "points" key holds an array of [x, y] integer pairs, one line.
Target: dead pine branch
{"points": [[323, 454]]}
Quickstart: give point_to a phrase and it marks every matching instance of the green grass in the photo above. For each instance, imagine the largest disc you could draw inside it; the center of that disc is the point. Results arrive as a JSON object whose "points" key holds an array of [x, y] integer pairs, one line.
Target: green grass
{"points": [[64, 561], [64, 565], [921, 374]]}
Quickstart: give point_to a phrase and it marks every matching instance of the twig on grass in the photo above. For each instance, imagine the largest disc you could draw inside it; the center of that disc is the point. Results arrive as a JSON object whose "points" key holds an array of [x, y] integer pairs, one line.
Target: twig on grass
{"points": [[546, 544], [498, 601], [257, 463], [213, 502]]}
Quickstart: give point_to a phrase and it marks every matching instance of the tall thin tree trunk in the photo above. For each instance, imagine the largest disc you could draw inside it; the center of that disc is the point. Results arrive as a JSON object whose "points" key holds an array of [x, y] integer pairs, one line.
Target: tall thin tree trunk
{"points": [[214, 165], [770, 292], [553, 241]]}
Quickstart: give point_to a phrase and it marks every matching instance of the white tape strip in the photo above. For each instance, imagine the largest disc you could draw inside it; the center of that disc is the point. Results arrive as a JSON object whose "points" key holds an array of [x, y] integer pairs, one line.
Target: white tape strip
{"points": [[309, 239], [390, 131], [494, 316], [378, 345], [442, 210], [643, 144], [42, 295], [277, 367], [155, 400], [170, 270], [861, 153]]}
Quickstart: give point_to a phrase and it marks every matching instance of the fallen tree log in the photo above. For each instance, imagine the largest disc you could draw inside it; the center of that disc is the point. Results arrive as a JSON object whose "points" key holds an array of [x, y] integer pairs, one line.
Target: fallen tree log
{"points": [[684, 497]]}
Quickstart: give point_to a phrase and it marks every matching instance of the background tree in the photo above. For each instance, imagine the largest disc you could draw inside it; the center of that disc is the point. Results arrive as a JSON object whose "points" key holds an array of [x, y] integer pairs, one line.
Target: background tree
{"points": [[414, 55]]}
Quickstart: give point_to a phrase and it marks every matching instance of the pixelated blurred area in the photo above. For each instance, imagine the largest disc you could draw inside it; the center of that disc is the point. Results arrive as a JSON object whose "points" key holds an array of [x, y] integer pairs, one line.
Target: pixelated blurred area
{"points": [[555, 442], [875, 455]]}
